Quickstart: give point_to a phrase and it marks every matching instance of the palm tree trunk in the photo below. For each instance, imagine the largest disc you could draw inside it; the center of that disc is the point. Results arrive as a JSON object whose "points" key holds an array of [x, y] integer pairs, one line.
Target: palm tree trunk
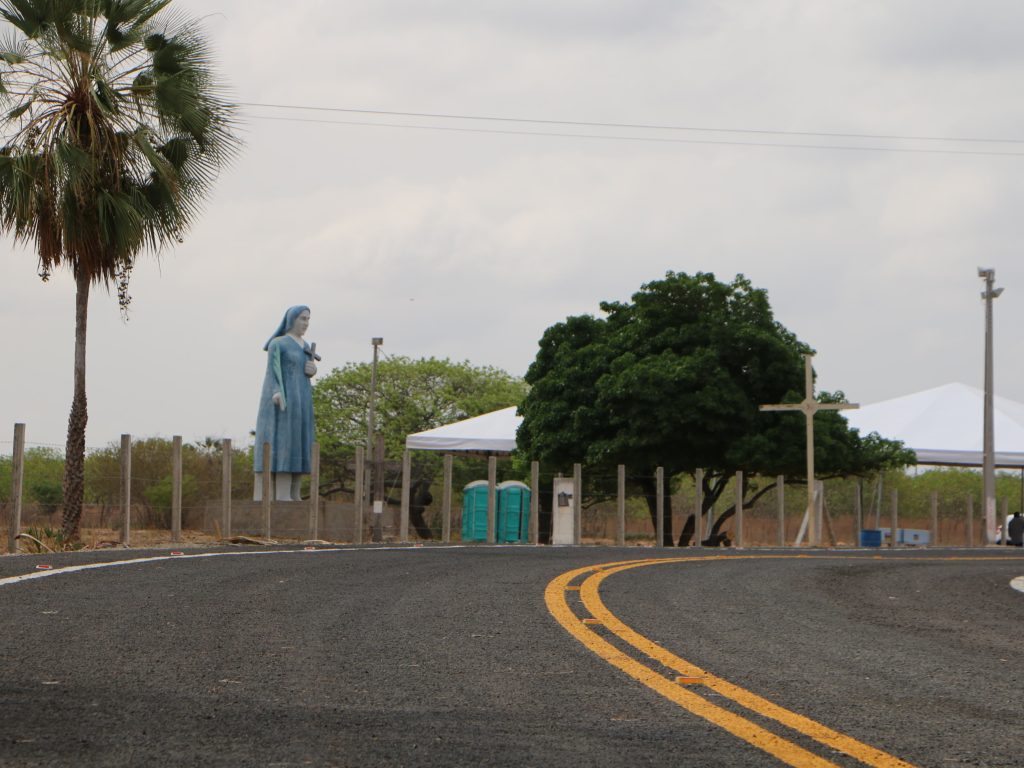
{"points": [[74, 454]]}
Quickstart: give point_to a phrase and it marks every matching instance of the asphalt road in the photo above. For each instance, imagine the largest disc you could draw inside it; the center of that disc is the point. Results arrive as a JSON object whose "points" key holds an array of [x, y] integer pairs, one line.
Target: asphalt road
{"points": [[450, 657]]}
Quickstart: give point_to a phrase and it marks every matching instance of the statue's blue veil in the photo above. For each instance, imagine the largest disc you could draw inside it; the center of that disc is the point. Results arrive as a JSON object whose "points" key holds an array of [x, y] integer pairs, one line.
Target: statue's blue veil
{"points": [[287, 322]]}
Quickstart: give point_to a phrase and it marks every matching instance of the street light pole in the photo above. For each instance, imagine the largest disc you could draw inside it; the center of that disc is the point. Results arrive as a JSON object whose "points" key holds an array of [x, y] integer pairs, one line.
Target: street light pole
{"points": [[989, 455], [371, 446]]}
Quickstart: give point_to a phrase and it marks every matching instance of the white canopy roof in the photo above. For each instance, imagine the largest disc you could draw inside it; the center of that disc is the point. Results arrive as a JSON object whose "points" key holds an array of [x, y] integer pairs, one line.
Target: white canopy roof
{"points": [[493, 432], [944, 425]]}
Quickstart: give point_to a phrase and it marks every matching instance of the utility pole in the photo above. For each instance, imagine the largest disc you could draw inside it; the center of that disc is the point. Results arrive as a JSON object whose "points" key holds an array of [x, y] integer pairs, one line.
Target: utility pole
{"points": [[989, 456], [371, 447]]}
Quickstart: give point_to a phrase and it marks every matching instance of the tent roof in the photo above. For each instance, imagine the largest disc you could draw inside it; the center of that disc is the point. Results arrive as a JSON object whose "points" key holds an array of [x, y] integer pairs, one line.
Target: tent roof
{"points": [[493, 432], [944, 425]]}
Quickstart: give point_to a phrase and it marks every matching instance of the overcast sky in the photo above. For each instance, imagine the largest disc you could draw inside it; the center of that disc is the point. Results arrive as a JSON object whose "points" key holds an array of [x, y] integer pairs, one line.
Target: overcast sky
{"points": [[467, 245]]}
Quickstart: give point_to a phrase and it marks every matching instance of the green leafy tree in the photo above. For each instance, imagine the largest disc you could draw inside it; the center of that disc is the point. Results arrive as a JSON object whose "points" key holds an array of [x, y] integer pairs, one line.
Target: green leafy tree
{"points": [[674, 378], [412, 396], [113, 131]]}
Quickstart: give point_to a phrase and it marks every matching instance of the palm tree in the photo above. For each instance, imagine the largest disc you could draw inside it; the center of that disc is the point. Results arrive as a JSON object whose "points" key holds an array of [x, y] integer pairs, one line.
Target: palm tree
{"points": [[114, 129]]}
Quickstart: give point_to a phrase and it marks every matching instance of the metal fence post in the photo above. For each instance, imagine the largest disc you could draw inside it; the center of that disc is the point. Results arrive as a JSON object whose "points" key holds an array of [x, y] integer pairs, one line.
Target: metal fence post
{"points": [[126, 490], [17, 486], [225, 487], [176, 488], [659, 507]]}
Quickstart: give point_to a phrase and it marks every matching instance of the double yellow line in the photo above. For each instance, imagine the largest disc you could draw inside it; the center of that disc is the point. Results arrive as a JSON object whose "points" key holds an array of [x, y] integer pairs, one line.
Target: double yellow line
{"points": [[682, 688]]}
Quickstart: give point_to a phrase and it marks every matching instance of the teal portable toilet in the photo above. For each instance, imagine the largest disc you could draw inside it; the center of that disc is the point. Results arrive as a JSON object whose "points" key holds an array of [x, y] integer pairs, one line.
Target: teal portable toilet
{"points": [[513, 512], [474, 511]]}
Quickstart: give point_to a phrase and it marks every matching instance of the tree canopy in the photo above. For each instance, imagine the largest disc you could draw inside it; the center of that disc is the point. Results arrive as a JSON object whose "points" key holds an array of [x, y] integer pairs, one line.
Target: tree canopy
{"points": [[675, 378], [412, 396]]}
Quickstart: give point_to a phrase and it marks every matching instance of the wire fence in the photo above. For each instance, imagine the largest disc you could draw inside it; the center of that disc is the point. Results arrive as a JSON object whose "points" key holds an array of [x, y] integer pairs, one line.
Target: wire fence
{"points": [[940, 507]]}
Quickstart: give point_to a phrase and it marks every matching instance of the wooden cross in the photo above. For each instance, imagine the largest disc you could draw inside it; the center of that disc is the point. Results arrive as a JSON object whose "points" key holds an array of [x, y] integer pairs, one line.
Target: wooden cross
{"points": [[809, 406]]}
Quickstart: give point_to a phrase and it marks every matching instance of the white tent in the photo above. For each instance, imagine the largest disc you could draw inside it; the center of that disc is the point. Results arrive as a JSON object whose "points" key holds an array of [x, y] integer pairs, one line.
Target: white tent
{"points": [[493, 432], [944, 425]]}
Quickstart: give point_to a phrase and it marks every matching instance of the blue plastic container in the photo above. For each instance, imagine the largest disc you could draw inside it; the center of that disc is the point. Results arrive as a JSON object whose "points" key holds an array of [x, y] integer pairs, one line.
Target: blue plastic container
{"points": [[513, 512], [871, 538], [474, 511]]}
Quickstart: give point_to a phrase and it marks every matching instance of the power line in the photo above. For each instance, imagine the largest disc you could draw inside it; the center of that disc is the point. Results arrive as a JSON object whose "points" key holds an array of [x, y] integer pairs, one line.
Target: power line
{"points": [[654, 139], [642, 126]]}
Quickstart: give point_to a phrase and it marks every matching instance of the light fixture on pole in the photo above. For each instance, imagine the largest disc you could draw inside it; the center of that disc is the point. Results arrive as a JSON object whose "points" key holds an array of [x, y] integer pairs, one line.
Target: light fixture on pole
{"points": [[989, 455], [371, 447]]}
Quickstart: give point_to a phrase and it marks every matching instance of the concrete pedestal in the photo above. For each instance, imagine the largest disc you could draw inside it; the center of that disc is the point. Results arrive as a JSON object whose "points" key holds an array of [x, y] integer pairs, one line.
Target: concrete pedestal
{"points": [[563, 513], [287, 486]]}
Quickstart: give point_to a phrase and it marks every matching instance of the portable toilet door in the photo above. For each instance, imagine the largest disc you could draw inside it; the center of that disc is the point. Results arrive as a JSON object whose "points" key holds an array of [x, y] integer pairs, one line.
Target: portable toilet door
{"points": [[513, 512], [474, 511]]}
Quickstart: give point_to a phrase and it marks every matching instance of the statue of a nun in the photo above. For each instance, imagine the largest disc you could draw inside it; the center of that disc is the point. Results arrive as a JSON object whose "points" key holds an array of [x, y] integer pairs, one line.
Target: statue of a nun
{"points": [[285, 419]]}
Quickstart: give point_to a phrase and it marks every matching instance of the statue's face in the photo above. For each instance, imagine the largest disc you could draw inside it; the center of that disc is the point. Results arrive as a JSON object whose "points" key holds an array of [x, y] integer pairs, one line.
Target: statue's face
{"points": [[301, 323]]}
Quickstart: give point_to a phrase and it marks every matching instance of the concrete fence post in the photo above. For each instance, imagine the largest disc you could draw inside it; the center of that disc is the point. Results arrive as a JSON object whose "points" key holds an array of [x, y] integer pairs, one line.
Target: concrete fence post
{"points": [[126, 490], [17, 486], [620, 526], [225, 487], [969, 528], [314, 492], [446, 501], [698, 508], [176, 488], [359, 496], [403, 528], [894, 532], [659, 507], [780, 502], [1004, 526], [534, 537], [858, 510], [739, 509], [268, 490], [492, 499], [934, 503], [577, 506]]}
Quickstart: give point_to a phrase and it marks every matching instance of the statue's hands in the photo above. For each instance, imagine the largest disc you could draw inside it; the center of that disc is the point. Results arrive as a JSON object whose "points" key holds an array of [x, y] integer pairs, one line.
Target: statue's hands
{"points": [[278, 400], [310, 369]]}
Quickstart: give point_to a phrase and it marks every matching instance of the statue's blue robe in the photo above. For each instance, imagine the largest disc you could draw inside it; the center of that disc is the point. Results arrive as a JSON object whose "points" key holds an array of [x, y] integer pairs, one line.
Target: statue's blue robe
{"points": [[289, 432]]}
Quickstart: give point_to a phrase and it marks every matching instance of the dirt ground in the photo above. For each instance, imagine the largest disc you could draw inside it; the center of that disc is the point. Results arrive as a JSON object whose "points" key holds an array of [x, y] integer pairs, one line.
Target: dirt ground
{"points": [[105, 538]]}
